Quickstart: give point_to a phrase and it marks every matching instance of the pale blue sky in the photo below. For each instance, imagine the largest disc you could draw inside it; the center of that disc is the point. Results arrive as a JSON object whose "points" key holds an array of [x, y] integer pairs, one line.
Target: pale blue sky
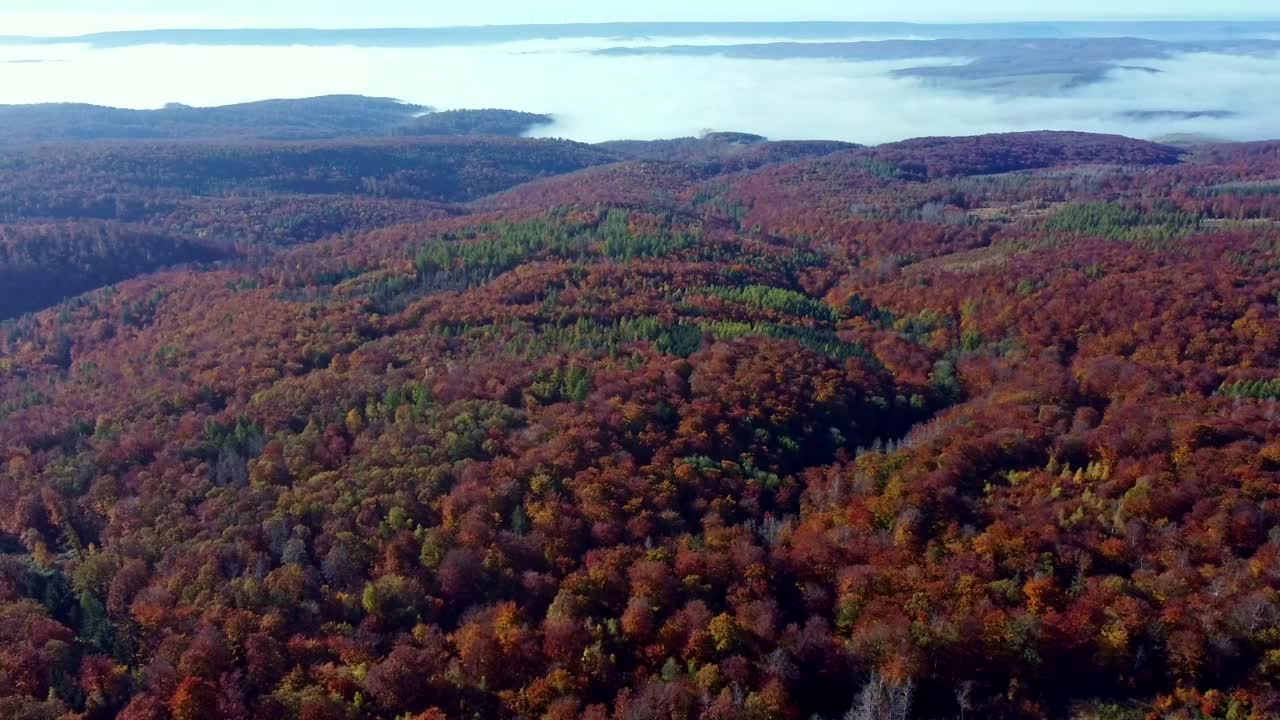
{"points": [[70, 16]]}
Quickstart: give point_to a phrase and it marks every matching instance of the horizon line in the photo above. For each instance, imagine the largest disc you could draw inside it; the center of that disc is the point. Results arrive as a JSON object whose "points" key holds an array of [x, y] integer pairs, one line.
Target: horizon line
{"points": [[1153, 20]]}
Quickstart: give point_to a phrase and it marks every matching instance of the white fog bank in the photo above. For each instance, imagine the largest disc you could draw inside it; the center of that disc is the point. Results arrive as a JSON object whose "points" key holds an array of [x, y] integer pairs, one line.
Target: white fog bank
{"points": [[597, 98]]}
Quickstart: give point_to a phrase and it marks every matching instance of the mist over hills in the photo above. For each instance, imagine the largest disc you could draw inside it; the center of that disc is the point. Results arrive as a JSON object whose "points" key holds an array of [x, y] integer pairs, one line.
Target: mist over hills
{"points": [[1024, 65], [854, 82]]}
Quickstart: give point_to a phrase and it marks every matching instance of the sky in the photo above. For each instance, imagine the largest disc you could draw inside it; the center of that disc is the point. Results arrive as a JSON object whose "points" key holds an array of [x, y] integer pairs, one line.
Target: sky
{"points": [[67, 17]]}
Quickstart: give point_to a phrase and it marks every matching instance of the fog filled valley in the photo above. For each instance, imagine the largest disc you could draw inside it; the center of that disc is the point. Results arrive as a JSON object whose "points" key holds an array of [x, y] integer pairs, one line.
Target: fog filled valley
{"points": [[858, 82], [817, 371]]}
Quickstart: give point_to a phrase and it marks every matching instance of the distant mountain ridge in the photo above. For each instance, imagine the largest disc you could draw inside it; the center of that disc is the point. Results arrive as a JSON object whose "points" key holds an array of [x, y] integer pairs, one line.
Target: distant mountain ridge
{"points": [[805, 30], [286, 119], [1014, 65]]}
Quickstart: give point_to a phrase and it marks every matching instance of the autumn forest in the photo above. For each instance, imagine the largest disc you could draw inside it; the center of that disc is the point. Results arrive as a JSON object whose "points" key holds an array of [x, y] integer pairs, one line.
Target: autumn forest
{"points": [[430, 424]]}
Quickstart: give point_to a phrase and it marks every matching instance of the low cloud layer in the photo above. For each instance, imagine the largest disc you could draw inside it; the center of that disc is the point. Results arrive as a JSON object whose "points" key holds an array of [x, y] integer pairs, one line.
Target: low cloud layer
{"points": [[599, 98]]}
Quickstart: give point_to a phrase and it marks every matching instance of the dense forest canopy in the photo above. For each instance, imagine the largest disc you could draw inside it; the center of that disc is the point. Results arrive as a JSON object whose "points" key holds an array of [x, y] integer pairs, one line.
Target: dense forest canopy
{"points": [[719, 427]]}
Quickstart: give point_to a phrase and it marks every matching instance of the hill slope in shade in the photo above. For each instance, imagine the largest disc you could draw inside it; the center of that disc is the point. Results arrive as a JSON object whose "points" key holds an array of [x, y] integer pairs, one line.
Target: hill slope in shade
{"points": [[87, 215]]}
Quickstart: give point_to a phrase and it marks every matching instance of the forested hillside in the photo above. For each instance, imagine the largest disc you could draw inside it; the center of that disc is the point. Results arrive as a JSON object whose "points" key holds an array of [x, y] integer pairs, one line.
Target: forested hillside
{"points": [[308, 118], [125, 209], [718, 428], [316, 118]]}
